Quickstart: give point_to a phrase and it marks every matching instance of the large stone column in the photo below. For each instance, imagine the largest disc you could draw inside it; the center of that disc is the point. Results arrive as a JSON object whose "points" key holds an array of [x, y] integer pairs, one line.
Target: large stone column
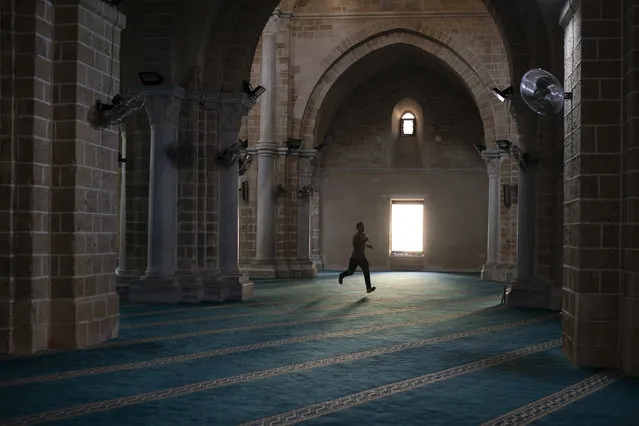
{"points": [[493, 158], [158, 284], [526, 291], [124, 276], [306, 266], [598, 313], [232, 285], [121, 268], [264, 263]]}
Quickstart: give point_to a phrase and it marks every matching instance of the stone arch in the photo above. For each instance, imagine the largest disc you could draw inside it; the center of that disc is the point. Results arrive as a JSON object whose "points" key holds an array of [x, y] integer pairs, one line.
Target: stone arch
{"points": [[228, 53], [463, 62], [517, 24]]}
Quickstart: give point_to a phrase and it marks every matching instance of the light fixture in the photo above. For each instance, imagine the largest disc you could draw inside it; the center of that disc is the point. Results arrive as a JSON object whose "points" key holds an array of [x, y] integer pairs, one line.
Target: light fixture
{"points": [[479, 148], [253, 93], [502, 95], [320, 147], [523, 158], [293, 144], [308, 190], [243, 144], [504, 145], [151, 78]]}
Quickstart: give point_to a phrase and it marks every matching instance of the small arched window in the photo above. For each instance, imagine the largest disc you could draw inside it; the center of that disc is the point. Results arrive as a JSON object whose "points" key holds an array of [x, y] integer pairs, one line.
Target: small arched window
{"points": [[407, 124]]}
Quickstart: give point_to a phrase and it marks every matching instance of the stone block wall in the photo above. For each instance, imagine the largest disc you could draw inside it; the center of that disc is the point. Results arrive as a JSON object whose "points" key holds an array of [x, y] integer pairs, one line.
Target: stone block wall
{"points": [[630, 212], [360, 173], [593, 184], [25, 174], [59, 174], [315, 28]]}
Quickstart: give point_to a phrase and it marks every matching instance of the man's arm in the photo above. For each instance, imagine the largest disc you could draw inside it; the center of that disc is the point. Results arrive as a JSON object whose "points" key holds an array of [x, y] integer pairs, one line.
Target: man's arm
{"points": [[366, 239]]}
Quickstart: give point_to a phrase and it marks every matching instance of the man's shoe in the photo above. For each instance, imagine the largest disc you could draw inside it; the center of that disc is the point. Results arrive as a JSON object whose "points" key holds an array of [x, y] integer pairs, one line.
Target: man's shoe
{"points": [[340, 279], [370, 290]]}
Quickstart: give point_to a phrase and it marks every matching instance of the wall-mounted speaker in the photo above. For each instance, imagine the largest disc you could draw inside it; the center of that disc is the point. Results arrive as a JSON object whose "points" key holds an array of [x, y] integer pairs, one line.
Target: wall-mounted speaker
{"points": [[244, 188], [510, 194]]}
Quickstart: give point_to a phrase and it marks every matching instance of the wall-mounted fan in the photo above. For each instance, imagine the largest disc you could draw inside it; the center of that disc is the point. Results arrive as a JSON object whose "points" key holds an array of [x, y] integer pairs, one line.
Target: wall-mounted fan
{"points": [[542, 92], [237, 152], [245, 159], [101, 115]]}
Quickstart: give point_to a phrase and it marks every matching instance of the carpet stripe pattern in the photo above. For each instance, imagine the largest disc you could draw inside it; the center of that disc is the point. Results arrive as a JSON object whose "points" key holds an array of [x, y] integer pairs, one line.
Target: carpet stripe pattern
{"points": [[321, 409], [236, 349], [541, 408], [425, 348], [227, 381]]}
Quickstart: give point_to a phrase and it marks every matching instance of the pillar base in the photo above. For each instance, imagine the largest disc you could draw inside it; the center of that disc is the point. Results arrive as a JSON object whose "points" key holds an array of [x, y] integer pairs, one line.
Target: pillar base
{"points": [[319, 262], [123, 282], [154, 290], [302, 268], [269, 269], [533, 295], [498, 273], [201, 288], [235, 287], [262, 269]]}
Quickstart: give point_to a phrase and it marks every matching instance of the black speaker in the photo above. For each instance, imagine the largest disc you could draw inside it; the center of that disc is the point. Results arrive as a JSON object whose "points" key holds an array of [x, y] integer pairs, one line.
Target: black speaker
{"points": [[245, 191]]}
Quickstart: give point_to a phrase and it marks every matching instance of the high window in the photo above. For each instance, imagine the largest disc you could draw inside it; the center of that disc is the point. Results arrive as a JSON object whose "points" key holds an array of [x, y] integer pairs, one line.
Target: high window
{"points": [[407, 124]]}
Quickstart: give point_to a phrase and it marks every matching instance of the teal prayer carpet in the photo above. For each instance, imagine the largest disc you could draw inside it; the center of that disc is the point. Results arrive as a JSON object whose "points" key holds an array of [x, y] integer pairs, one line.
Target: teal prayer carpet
{"points": [[424, 349]]}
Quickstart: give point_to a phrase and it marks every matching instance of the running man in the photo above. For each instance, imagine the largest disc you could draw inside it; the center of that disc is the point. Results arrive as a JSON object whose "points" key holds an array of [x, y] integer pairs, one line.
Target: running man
{"points": [[358, 258]]}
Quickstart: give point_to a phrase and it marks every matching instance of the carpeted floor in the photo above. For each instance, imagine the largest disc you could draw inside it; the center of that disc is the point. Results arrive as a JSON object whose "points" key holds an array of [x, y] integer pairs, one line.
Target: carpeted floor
{"points": [[424, 349]]}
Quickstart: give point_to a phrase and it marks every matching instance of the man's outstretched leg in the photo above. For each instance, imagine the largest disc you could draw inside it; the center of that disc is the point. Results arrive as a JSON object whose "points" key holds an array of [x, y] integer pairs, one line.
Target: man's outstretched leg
{"points": [[352, 265], [367, 275]]}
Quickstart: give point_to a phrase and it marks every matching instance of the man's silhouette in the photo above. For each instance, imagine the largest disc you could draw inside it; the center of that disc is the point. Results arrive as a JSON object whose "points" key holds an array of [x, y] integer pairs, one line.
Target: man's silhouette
{"points": [[358, 258]]}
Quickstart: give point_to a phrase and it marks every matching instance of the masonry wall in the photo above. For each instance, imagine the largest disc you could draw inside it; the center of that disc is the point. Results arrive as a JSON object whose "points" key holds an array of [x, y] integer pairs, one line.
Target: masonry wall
{"points": [[59, 176], [365, 166], [599, 289], [630, 211]]}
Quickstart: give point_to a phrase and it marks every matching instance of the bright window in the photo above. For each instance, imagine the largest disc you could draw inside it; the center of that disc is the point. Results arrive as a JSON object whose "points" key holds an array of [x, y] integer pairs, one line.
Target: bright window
{"points": [[408, 124], [407, 228]]}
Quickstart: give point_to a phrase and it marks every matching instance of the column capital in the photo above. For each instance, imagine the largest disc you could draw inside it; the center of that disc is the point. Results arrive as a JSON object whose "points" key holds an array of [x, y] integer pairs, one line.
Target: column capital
{"points": [[492, 157], [162, 104], [283, 151], [232, 108], [273, 24]]}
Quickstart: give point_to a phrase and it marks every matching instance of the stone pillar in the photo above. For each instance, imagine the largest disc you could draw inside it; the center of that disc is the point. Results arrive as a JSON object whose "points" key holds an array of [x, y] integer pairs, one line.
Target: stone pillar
{"points": [[306, 265], [490, 271], [25, 255], [82, 225], [526, 291], [593, 190], [158, 284], [630, 290], [120, 270], [125, 277], [232, 285], [264, 263]]}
